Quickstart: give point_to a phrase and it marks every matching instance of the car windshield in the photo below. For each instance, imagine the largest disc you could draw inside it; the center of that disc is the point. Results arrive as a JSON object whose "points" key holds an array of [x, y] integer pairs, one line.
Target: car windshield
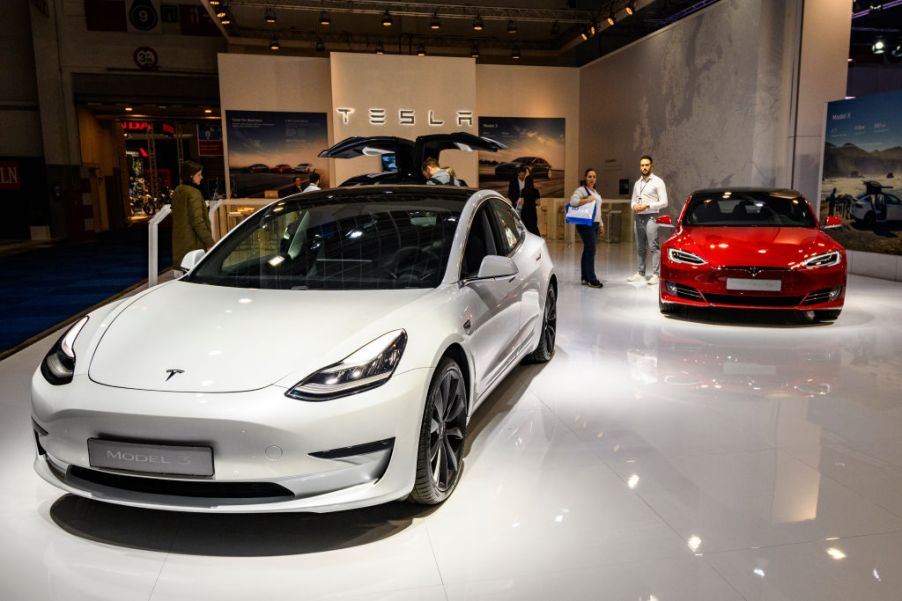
{"points": [[748, 209], [367, 242]]}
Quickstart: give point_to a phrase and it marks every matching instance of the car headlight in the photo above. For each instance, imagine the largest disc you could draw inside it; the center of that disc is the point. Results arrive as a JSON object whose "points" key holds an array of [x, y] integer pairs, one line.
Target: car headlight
{"points": [[59, 364], [370, 366], [825, 260], [681, 256]]}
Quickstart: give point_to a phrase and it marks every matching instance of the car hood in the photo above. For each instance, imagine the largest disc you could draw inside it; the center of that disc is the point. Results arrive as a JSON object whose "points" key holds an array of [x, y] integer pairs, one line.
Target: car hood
{"points": [[758, 246], [236, 339]]}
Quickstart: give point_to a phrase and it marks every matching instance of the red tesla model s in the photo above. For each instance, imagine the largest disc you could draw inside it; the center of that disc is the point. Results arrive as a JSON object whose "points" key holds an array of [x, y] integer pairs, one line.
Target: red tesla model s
{"points": [[752, 248]]}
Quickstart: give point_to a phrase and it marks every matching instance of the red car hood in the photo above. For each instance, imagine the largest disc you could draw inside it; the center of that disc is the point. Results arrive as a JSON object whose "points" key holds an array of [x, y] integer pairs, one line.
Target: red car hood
{"points": [[758, 246]]}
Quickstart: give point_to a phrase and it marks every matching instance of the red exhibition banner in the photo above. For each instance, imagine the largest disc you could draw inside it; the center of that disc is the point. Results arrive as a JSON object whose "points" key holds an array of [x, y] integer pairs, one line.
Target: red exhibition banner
{"points": [[9, 175]]}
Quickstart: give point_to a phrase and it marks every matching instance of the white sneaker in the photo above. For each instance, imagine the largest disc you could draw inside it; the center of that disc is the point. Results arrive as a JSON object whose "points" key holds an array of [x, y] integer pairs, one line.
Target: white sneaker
{"points": [[636, 277], [652, 280]]}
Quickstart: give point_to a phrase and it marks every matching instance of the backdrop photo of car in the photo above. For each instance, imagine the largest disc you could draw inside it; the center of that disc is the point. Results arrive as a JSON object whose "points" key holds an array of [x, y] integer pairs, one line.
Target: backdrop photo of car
{"points": [[537, 143], [267, 150], [861, 175]]}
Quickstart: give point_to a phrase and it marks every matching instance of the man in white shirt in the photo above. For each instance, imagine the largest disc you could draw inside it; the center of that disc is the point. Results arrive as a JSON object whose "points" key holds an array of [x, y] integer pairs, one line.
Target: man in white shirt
{"points": [[313, 183], [649, 197]]}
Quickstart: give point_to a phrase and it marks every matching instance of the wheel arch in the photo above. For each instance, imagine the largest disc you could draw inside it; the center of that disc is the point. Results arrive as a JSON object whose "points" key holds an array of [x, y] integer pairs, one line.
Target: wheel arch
{"points": [[456, 351]]}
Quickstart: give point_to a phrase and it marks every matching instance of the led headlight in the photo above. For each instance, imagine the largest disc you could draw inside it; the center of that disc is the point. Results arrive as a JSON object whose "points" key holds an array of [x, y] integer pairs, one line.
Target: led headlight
{"points": [[370, 366], [681, 256], [825, 260], [59, 364]]}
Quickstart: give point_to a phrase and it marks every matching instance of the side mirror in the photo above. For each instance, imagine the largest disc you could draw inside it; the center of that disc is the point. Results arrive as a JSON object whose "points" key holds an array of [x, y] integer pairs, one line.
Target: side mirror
{"points": [[832, 222], [496, 266], [191, 259], [665, 220]]}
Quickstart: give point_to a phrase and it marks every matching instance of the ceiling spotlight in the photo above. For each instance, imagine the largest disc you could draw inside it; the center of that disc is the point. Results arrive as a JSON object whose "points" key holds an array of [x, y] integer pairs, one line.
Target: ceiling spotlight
{"points": [[879, 46], [128, 109], [611, 19], [477, 23], [512, 27], [421, 50], [222, 12], [387, 20], [593, 28], [876, 5], [226, 20], [215, 2], [274, 44], [895, 51], [631, 8], [380, 49], [320, 45], [584, 34], [324, 19], [270, 16], [435, 24], [208, 111], [474, 52], [516, 53]]}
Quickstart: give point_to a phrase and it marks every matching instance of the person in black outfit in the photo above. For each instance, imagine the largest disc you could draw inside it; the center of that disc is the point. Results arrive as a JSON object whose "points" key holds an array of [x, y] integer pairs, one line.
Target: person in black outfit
{"points": [[518, 183], [528, 205]]}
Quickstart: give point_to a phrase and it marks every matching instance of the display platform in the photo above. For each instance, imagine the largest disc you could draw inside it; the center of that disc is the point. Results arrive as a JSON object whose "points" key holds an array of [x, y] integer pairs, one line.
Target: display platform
{"points": [[714, 457]]}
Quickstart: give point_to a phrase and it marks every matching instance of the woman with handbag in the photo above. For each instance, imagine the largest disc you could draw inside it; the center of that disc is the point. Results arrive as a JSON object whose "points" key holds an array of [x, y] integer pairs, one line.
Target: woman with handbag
{"points": [[585, 211]]}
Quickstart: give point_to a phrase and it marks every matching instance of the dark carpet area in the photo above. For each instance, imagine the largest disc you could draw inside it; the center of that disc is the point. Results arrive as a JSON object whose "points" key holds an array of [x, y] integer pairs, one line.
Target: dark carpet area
{"points": [[44, 287]]}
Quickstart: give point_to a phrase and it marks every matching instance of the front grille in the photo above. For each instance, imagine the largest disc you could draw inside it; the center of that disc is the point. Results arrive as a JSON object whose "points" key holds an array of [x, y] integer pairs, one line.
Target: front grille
{"points": [[754, 301], [180, 488], [753, 269], [819, 296]]}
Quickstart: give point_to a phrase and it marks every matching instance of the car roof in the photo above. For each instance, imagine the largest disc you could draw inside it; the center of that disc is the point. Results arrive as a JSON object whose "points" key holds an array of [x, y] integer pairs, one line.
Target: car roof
{"points": [[388, 191], [781, 192]]}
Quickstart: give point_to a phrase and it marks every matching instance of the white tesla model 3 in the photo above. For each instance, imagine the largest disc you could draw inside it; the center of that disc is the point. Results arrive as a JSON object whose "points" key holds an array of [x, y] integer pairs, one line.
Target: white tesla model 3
{"points": [[327, 354]]}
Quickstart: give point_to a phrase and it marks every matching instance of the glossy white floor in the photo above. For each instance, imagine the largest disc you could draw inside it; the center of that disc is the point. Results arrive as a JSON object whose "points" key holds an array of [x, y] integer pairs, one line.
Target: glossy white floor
{"points": [[672, 459]]}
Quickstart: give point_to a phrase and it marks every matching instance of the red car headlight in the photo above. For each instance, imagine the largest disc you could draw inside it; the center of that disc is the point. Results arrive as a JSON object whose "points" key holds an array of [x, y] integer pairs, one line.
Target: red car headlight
{"points": [[825, 260], [681, 256]]}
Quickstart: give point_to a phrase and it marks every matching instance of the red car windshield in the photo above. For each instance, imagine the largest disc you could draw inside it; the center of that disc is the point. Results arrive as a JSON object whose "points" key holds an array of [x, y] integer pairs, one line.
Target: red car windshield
{"points": [[748, 209]]}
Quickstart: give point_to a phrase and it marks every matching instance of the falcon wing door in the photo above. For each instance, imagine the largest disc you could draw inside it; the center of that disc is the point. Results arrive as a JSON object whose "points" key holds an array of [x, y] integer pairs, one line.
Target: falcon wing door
{"points": [[432, 145], [370, 146]]}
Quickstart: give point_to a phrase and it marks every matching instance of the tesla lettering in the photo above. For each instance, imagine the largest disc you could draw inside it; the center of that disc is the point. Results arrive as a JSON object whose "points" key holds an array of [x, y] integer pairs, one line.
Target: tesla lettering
{"points": [[379, 116]]}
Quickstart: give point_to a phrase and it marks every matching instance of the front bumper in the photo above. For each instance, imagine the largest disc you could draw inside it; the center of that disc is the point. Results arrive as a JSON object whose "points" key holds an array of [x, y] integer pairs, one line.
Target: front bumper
{"points": [[270, 452], [801, 289]]}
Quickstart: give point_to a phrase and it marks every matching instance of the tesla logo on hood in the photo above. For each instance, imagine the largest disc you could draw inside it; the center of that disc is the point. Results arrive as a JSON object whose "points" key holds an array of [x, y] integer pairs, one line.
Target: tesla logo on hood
{"points": [[173, 372]]}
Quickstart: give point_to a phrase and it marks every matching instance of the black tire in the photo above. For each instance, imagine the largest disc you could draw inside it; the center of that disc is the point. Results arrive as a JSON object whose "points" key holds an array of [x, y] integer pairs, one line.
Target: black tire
{"points": [[442, 434], [545, 350], [828, 314]]}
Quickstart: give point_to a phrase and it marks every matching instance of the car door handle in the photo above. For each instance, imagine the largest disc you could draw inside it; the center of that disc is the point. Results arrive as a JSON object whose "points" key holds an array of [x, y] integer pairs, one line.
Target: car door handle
{"points": [[468, 324], [539, 257]]}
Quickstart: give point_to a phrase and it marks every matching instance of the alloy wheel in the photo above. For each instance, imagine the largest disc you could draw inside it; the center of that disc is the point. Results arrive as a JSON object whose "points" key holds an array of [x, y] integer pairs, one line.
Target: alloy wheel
{"points": [[448, 417]]}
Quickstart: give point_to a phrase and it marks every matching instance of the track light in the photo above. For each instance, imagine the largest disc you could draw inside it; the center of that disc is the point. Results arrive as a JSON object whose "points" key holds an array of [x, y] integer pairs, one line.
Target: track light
{"points": [[421, 50], [593, 28], [270, 16], [226, 20], [612, 20], [324, 19], [474, 52], [387, 20], [516, 53], [584, 34], [876, 5], [477, 23], [320, 45], [631, 8], [512, 27], [879, 46], [221, 12], [215, 2], [274, 44], [435, 24]]}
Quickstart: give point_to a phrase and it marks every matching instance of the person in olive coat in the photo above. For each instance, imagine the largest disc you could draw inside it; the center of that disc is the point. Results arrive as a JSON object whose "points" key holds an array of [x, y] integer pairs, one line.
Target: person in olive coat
{"points": [[190, 219]]}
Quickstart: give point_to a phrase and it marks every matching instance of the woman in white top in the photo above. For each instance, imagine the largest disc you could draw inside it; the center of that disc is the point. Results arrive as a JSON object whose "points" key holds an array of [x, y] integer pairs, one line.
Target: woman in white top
{"points": [[588, 233]]}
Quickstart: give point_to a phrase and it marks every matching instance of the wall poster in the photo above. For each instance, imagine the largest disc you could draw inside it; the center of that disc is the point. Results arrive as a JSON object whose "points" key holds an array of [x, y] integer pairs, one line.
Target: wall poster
{"points": [[861, 181], [267, 150], [537, 142]]}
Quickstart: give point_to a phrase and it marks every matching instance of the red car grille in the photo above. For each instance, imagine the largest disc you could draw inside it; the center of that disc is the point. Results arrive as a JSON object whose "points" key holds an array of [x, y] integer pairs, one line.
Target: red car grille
{"points": [[753, 301]]}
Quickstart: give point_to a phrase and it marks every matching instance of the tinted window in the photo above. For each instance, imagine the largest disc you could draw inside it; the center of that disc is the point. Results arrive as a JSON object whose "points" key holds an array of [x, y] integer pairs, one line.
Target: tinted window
{"points": [[366, 244], [480, 243], [748, 209], [509, 226]]}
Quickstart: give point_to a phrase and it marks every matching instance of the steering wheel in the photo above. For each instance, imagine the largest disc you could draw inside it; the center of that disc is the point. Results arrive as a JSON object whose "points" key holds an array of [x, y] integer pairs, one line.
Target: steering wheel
{"points": [[426, 263]]}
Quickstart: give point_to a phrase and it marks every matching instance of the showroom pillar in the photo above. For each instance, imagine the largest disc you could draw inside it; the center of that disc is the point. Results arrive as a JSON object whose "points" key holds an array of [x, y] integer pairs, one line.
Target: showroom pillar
{"points": [[59, 125], [824, 28]]}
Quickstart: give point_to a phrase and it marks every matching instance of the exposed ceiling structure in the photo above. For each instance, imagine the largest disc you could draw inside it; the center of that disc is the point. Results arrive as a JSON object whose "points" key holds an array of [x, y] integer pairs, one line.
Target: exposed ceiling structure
{"points": [[535, 32], [876, 32]]}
